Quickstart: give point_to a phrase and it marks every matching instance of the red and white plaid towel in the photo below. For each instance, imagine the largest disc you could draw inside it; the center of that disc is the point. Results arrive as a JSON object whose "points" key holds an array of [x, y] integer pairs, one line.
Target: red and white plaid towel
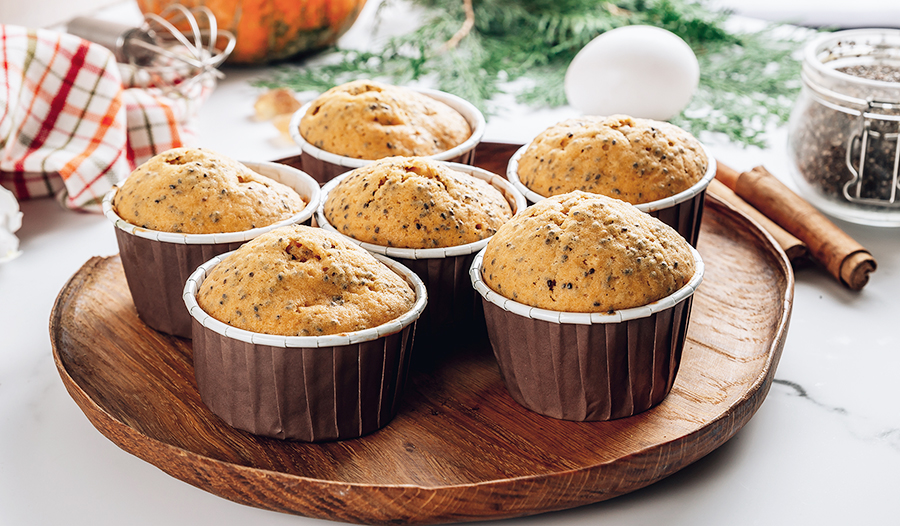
{"points": [[70, 127]]}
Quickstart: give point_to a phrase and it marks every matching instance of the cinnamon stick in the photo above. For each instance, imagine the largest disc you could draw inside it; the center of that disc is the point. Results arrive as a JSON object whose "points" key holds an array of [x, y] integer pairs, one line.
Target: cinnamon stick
{"points": [[843, 257], [727, 175], [795, 249]]}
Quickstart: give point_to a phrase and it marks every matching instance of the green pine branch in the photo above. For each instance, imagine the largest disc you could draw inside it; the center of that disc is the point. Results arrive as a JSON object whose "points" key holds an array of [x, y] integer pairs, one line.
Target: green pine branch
{"points": [[537, 39]]}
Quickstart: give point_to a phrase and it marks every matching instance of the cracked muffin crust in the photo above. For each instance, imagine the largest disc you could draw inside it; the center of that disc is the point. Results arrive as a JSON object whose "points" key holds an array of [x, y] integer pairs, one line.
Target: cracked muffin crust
{"points": [[303, 281], [635, 160], [197, 191], [412, 202], [366, 119], [582, 252]]}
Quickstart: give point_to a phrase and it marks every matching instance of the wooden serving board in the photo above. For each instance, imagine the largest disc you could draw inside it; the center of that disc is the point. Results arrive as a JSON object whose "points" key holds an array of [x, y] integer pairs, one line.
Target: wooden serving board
{"points": [[460, 449]]}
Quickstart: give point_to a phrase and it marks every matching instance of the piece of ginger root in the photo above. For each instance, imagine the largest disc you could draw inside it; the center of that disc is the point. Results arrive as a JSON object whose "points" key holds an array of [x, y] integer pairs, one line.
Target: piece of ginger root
{"points": [[275, 102]]}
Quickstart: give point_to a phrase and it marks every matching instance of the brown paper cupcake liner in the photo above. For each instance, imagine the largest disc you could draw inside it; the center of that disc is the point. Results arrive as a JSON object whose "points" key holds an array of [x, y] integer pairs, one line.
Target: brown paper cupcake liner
{"points": [[588, 366], [684, 217], [682, 211], [157, 264], [454, 310], [324, 166], [309, 388], [154, 270]]}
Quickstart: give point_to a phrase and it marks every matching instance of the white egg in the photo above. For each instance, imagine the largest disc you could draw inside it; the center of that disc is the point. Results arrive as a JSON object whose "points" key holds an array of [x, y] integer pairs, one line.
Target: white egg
{"points": [[641, 71]]}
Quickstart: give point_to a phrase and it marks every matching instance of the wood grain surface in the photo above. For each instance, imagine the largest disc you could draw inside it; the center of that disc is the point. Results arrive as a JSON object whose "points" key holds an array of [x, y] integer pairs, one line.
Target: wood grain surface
{"points": [[460, 449]]}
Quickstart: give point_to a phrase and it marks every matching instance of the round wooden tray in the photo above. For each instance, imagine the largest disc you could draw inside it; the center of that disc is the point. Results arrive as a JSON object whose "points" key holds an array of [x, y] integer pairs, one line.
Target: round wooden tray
{"points": [[460, 448]]}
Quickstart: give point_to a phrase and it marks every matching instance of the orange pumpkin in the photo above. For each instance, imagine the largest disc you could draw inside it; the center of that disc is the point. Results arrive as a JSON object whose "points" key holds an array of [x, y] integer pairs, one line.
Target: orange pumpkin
{"points": [[269, 30]]}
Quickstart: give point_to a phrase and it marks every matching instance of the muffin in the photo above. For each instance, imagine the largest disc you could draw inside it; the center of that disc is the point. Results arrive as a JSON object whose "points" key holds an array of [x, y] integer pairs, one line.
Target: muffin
{"points": [[635, 160], [656, 166], [365, 119], [432, 217], [351, 125], [302, 281], [196, 191], [310, 388], [178, 192], [581, 252], [587, 302], [412, 202]]}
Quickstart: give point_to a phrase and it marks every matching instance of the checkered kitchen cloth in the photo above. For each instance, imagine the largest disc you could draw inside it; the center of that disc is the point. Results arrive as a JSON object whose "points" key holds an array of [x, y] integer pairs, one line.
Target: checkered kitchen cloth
{"points": [[70, 126]]}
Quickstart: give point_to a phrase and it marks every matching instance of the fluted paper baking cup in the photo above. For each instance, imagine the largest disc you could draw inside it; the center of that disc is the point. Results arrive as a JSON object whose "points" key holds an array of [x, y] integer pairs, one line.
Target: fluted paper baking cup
{"points": [[588, 366], [453, 303], [309, 388], [157, 264], [324, 166], [682, 211]]}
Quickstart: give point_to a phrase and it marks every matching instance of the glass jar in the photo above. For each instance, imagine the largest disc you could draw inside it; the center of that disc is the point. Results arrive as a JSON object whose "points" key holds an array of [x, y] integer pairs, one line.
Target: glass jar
{"points": [[843, 132]]}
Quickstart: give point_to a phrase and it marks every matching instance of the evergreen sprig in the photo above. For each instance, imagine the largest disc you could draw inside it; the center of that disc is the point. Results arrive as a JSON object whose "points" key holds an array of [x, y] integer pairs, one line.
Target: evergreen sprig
{"points": [[537, 39]]}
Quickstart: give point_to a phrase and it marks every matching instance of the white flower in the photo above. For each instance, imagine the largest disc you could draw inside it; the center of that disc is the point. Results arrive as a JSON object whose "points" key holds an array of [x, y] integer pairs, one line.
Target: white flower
{"points": [[10, 221]]}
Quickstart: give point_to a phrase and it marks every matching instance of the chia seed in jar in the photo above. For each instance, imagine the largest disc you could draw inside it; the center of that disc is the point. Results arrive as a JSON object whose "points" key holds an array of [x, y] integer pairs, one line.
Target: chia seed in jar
{"points": [[882, 72], [844, 127]]}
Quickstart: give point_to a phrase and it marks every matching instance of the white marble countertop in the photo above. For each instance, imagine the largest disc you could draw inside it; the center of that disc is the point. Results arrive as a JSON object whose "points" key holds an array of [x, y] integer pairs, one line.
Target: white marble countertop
{"points": [[823, 449]]}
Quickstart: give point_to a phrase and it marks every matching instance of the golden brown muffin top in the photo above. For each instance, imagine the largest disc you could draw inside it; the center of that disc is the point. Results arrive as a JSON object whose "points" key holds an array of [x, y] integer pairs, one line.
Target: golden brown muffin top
{"points": [[197, 191], [366, 119], [303, 281], [412, 202], [582, 252], [635, 160]]}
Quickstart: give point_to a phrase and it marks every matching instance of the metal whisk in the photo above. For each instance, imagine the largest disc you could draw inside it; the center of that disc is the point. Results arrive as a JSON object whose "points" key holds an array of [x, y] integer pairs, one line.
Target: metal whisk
{"points": [[161, 54]]}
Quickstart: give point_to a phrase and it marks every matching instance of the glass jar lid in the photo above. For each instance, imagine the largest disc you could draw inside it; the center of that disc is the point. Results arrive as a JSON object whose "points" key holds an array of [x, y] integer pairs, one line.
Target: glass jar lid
{"points": [[856, 71]]}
